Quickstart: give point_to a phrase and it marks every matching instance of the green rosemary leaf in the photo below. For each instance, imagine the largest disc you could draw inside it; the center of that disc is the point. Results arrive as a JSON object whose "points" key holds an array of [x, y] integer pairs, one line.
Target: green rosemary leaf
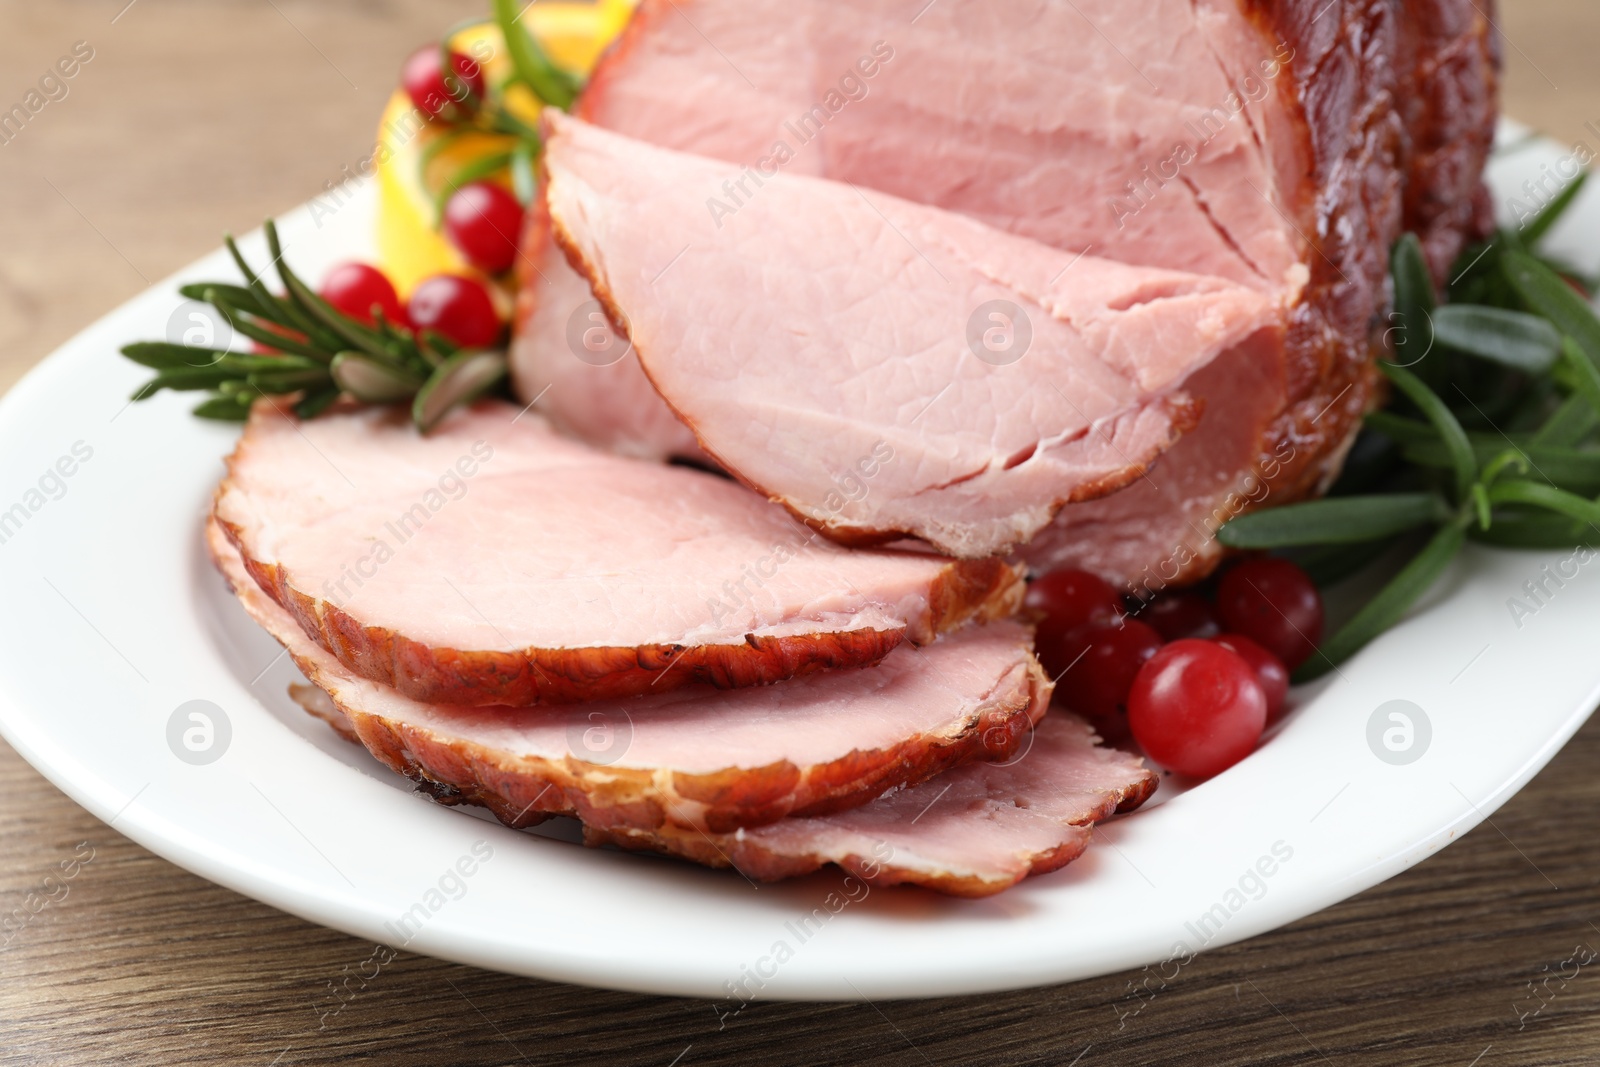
{"points": [[1582, 373], [503, 121], [433, 149], [523, 180], [1413, 310], [1385, 609], [373, 382], [1454, 437], [163, 355], [266, 304], [316, 402], [1573, 422], [1531, 529], [459, 380], [440, 345], [278, 382], [1544, 291], [342, 326], [1548, 497], [1511, 338], [1401, 429], [1573, 469], [237, 319], [185, 379], [289, 314], [1542, 223], [1338, 520], [224, 409], [533, 67]]}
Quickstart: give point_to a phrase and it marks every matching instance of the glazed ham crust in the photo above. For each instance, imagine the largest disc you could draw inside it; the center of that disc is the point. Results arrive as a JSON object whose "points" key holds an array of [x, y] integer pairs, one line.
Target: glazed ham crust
{"points": [[1396, 105], [519, 592], [702, 761], [971, 832]]}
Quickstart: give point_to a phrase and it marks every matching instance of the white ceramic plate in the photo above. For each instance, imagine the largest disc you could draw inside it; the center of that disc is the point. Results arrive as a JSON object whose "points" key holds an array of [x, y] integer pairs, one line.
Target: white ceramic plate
{"points": [[114, 620]]}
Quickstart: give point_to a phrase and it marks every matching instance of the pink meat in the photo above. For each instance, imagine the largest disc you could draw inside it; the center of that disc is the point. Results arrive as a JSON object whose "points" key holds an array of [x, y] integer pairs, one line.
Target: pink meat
{"points": [[496, 562], [970, 832], [1284, 144], [975, 381], [700, 760]]}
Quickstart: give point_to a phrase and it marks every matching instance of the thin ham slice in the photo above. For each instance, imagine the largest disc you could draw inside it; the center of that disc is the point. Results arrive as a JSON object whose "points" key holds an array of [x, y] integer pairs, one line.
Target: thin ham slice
{"points": [[495, 562], [970, 832], [820, 330], [697, 759]]}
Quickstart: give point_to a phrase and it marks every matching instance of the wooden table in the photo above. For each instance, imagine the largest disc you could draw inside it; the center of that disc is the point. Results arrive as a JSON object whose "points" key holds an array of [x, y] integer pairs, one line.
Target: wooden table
{"points": [[192, 119]]}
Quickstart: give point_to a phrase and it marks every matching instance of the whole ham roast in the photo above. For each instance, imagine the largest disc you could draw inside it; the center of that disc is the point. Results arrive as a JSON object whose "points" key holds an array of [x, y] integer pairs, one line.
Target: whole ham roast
{"points": [[1281, 145]]}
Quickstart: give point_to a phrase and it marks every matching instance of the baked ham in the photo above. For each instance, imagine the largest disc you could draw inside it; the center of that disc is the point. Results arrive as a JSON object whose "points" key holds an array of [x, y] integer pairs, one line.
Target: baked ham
{"points": [[971, 832], [697, 759], [987, 378], [496, 562], [1283, 144]]}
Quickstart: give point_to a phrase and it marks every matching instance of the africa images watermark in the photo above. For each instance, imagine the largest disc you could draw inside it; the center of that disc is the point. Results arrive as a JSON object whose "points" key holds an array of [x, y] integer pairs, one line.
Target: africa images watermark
{"points": [[52, 87], [754, 976], [1252, 90], [1539, 193], [1251, 490], [1540, 995], [849, 486], [1250, 887], [1539, 591], [451, 486], [852, 87], [52, 890], [50, 486]]}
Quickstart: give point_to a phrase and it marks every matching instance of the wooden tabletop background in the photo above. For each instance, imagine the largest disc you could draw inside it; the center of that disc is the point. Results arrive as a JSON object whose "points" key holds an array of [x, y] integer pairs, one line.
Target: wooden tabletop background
{"points": [[195, 117]]}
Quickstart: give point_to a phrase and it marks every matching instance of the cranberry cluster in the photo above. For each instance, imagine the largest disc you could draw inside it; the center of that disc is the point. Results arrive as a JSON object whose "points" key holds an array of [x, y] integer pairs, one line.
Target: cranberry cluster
{"points": [[1194, 681]]}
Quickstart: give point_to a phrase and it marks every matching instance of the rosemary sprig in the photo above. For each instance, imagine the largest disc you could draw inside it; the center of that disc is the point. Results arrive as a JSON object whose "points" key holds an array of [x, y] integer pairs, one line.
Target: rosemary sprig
{"points": [[530, 64], [1491, 436], [320, 354]]}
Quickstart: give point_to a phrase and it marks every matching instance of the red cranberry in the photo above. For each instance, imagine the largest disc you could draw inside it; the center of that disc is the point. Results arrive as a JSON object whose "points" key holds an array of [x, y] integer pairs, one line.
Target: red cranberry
{"points": [[1276, 605], [356, 288], [1270, 671], [484, 221], [1179, 615], [457, 308], [1096, 664], [454, 94], [1066, 599], [1197, 708]]}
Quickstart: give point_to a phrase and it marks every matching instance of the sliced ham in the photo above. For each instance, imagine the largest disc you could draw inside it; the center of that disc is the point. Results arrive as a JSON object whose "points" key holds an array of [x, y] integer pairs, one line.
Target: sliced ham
{"points": [[583, 375], [970, 832], [1284, 144], [696, 759], [496, 562], [975, 381]]}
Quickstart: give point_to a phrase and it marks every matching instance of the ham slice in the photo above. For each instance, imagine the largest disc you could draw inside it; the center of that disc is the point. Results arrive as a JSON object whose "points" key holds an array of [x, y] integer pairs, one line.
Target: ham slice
{"points": [[495, 562], [697, 759], [1283, 144], [971, 832], [976, 380]]}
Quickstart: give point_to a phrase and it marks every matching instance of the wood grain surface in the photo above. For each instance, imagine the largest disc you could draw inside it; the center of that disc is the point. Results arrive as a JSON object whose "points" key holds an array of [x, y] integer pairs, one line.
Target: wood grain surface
{"points": [[200, 116]]}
